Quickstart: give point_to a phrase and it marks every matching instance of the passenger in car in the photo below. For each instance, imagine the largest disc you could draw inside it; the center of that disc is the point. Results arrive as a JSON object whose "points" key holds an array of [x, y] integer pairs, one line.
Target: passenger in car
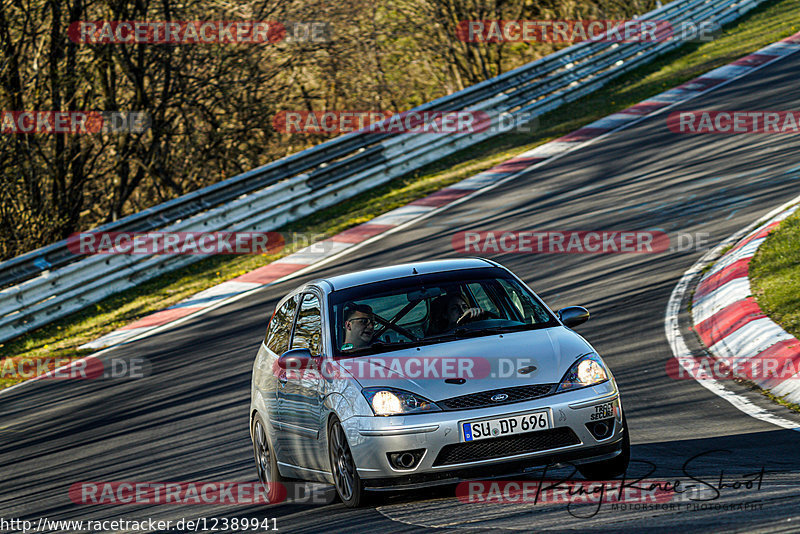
{"points": [[359, 325]]}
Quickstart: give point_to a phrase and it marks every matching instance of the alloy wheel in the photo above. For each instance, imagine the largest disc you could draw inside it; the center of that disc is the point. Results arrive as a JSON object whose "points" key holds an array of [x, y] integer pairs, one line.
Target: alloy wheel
{"points": [[342, 463]]}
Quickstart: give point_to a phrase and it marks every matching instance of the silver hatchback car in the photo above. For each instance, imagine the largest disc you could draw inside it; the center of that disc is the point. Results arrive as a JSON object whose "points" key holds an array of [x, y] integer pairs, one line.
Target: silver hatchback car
{"points": [[431, 372]]}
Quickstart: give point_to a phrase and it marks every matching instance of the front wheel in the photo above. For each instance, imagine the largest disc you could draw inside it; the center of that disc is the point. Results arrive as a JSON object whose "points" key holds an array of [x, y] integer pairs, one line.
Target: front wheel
{"points": [[348, 484], [266, 464], [613, 468]]}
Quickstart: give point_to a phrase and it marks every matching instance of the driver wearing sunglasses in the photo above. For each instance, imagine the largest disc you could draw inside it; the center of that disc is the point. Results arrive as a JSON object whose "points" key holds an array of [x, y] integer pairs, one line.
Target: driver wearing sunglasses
{"points": [[359, 325]]}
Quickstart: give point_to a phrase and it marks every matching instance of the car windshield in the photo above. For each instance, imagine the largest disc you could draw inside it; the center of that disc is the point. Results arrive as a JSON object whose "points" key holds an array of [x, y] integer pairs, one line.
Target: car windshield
{"points": [[433, 308]]}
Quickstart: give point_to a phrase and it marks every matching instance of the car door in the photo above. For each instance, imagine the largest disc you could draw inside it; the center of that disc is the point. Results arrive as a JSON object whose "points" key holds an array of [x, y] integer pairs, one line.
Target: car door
{"points": [[300, 395], [271, 378]]}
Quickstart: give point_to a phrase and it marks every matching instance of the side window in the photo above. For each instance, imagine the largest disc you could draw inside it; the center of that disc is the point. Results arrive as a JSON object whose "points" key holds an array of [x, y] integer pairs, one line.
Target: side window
{"points": [[280, 328], [308, 330]]}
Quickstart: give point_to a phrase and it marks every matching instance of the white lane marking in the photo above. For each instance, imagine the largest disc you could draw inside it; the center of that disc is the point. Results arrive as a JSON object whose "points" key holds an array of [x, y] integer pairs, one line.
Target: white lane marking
{"points": [[114, 338], [548, 150], [401, 215], [612, 121], [728, 71], [479, 181], [223, 290], [780, 48], [681, 351]]}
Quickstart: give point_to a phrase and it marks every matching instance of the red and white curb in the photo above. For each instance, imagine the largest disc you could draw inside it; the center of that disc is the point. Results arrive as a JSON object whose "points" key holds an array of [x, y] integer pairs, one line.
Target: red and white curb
{"points": [[732, 326], [680, 350], [327, 249]]}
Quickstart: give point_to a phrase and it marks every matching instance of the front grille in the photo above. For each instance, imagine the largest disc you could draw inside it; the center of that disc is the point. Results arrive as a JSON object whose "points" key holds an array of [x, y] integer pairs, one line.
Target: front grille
{"points": [[482, 399], [487, 449]]}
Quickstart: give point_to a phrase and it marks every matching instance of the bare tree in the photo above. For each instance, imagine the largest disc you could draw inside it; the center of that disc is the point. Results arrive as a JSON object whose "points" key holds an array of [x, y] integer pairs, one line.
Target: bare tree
{"points": [[211, 105]]}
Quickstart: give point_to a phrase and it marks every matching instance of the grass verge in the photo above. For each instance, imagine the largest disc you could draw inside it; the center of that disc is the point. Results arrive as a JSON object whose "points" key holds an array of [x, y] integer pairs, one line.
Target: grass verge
{"points": [[61, 339], [775, 275]]}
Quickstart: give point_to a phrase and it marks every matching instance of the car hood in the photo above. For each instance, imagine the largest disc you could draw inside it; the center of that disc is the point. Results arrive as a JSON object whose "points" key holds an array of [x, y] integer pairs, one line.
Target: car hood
{"points": [[486, 363]]}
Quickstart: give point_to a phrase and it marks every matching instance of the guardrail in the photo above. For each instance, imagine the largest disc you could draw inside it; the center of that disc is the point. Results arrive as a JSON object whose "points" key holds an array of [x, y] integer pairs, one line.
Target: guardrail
{"points": [[51, 282]]}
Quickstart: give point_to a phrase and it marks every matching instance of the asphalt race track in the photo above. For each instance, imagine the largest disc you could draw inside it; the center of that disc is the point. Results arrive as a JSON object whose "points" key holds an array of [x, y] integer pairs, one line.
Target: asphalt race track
{"points": [[188, 421]]}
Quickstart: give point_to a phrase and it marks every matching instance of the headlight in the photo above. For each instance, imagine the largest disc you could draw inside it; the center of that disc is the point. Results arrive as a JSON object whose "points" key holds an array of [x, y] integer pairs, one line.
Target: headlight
{"points": [[390, 401], [587, 371]]}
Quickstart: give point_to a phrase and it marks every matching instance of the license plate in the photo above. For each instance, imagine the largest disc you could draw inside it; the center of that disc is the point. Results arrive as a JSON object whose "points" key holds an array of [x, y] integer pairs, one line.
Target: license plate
{"points": [[505, 426]]}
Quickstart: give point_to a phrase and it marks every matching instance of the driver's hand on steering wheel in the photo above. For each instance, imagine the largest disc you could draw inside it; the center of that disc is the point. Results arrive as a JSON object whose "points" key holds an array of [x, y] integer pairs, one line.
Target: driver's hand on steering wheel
{"points": [[470, 315]]}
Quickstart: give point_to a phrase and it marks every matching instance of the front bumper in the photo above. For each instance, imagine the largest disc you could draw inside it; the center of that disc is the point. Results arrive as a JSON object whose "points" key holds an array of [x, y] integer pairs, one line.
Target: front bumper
{"points": [[371, 439]]}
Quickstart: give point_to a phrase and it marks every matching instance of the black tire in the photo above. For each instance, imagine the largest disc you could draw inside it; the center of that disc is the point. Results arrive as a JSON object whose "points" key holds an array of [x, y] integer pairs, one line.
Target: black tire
{"points": [[613, 468], [266, 464], [349, 487]]}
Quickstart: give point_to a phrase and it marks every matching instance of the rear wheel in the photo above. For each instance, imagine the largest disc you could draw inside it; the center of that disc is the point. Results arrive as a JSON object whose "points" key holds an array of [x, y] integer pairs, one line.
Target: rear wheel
{"points": [[266, 464], [613, 468], [348, 484]]}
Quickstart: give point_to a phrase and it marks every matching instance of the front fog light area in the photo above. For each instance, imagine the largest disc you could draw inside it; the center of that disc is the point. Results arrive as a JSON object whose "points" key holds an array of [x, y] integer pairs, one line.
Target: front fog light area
{"points": [[405, 459], [601, 429]]}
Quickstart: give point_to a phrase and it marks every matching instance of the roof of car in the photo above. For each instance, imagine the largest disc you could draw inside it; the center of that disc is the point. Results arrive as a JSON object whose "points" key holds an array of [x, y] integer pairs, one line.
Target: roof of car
{"points": [[358, 278]]}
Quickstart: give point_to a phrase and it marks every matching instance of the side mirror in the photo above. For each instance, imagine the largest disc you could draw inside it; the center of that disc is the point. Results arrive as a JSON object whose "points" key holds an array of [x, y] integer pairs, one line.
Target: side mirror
{"points": [[573, 315], [295, 359]]}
